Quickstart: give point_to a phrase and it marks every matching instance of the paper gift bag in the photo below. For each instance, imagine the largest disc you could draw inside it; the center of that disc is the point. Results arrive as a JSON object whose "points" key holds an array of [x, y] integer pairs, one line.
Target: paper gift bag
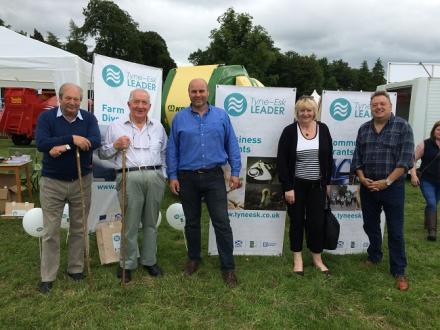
{"points": [[109, 240]]}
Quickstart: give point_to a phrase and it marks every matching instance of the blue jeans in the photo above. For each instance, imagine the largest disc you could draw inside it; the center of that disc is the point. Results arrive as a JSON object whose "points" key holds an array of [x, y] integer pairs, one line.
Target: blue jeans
{"points": [[431, 192], [392, 201], [210, 186]]}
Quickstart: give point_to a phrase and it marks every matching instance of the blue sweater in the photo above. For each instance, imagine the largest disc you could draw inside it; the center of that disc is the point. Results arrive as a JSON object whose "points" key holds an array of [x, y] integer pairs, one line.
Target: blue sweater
{"points": [[54, 131]]}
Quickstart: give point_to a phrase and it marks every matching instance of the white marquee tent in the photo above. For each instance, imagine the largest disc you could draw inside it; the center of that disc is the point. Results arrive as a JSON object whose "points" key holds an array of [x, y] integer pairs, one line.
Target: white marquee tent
{"points": [[25, 62]]}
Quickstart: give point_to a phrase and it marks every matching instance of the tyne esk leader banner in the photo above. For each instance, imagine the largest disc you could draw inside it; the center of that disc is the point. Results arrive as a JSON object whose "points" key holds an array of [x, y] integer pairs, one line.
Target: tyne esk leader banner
{"points": [[114, 80], [256, 209], [344, 113]]}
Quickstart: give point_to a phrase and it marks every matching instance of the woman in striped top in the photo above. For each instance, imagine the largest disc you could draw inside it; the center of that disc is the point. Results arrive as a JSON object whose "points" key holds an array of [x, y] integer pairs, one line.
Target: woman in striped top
{"points": [[305, 163]]}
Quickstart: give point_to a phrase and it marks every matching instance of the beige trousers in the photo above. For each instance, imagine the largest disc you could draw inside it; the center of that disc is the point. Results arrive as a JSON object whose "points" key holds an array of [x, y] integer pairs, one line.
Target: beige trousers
{"points": [[54, 194]]}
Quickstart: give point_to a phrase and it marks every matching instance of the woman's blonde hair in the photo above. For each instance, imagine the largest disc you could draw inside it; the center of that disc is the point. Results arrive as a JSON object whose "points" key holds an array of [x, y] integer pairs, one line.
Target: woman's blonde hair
{"points": [[309, 103]]}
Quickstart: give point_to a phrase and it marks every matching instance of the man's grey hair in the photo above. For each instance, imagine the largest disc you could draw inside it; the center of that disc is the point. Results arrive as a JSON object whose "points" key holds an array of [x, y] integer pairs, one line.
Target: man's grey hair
{"points": [[130, 98], [67, 85]]}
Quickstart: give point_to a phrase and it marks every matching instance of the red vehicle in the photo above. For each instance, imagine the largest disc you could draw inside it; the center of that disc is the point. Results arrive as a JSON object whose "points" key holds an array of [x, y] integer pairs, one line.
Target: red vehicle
{"points": [[20, 113]]}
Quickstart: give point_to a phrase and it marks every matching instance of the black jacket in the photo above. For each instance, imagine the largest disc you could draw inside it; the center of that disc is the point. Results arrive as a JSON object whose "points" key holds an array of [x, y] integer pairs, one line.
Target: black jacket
{"points": [[286, 157]]}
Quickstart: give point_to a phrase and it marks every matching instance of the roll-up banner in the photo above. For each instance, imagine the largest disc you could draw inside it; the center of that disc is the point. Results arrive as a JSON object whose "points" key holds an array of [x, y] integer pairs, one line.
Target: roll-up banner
{"points": [[256, 209], [114, 80], [344, 113]]}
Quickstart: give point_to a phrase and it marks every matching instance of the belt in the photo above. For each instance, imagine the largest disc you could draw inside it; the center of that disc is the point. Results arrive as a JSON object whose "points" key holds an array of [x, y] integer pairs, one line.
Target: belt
{"points": [[203, 170], [68, 180], [141, 168]]}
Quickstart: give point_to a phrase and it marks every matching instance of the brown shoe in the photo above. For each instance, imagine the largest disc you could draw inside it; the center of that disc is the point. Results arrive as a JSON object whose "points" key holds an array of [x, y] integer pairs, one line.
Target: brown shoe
{"points": [[191, 268], [401, 282], [369, 263], [230, 279]]}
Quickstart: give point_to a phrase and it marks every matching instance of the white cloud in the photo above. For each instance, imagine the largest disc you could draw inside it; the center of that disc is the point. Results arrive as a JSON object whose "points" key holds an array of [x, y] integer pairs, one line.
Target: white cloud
{"points": [[354, 31]]}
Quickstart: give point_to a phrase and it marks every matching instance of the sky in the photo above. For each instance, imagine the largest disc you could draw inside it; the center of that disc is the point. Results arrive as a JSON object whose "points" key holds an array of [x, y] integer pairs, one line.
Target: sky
{"points": [[354, 31]]}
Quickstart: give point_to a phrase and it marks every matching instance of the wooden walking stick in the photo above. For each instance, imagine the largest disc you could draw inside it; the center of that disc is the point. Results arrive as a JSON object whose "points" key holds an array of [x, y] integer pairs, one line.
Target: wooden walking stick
{"points": [[78, 164], [124, 157]]}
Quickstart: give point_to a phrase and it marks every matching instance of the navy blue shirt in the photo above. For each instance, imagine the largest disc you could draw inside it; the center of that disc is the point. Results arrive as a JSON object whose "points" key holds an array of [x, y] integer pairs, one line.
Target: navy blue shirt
{"points": [[378, 154], [52, 131], [202, 142]]}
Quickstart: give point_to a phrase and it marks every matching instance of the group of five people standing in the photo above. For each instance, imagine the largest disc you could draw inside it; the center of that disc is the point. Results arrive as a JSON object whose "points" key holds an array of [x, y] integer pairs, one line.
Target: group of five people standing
{"points": [[202, 140]]}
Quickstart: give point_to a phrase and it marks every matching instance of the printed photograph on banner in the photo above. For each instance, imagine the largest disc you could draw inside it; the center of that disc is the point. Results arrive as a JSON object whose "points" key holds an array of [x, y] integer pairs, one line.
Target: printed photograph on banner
{"points": [[103, 170], [264, 197], [344, 198], [235, 197], [261, 170], [341, 171], [263, 189]]}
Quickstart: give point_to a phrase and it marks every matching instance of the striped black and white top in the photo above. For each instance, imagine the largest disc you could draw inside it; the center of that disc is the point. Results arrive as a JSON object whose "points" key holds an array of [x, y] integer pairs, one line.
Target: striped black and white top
{"points": [[307, 162]]}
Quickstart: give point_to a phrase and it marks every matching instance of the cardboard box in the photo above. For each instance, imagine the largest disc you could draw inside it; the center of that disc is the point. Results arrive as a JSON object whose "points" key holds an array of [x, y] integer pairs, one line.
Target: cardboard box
{"points": [[7, 179], [8, 194], [4, 198], [17, 210]]}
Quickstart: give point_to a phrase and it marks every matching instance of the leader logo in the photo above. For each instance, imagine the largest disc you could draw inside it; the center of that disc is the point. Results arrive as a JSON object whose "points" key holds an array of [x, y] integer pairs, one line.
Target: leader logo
{"points": [[340, 109], [112, 76], [235, 104]]}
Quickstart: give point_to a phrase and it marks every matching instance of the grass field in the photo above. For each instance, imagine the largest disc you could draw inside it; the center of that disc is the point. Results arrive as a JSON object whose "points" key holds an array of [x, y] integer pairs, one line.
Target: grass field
{"points": [[269, 295]]}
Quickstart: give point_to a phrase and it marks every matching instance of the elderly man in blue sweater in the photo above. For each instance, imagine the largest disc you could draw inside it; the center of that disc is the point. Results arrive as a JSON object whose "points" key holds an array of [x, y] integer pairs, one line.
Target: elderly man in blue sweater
{"points": [[58, 133]]}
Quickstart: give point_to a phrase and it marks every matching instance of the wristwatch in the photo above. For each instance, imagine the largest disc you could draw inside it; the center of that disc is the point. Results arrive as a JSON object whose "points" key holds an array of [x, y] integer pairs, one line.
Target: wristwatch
{"points": [[388, 182], [68, 147]]}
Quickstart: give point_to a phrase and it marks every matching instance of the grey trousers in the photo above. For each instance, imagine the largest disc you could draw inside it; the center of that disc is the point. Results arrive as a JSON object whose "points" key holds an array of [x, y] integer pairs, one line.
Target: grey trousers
{"points": [[53, 195], [144, 195]]}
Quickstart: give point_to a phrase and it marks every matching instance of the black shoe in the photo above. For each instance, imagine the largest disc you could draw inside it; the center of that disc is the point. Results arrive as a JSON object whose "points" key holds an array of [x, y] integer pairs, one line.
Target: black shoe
{"points": [[326, 272], [127, 274], [154, 270], [76, 276], [300, 273], [45, 287]]}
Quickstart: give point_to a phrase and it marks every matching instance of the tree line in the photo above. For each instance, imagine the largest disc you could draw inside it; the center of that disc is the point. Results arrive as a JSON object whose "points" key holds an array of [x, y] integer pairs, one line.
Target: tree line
{"points": [[236, 41]]}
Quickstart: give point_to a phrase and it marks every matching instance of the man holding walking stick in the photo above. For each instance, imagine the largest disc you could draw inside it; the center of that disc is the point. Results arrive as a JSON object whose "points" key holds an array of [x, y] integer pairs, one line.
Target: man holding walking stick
{"points": [[59, 132], [144, 141]]}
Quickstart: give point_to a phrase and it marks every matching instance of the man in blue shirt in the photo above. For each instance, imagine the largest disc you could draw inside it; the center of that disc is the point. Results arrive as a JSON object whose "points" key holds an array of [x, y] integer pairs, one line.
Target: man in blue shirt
{"points": [[202, 140], [384, 153], [59, 132]]}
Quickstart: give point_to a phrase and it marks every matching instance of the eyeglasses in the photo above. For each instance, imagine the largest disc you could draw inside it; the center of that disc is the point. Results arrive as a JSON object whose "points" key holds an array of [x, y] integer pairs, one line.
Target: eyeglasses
{"points": [[308, 97]]}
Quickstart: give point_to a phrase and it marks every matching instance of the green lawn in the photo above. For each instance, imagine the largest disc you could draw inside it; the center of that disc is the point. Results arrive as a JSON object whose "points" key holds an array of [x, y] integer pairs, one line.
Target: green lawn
{"points": [[269, 295]]}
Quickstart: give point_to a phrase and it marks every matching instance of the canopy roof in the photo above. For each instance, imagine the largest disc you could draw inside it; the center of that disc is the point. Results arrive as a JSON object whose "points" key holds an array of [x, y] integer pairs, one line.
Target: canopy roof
{"points": [[25, 62]]}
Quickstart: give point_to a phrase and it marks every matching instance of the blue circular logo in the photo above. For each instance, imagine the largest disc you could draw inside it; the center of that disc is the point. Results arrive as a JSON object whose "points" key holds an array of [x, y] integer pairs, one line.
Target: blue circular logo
{"points": [[112, 76], [340, 109], [235, 104]]}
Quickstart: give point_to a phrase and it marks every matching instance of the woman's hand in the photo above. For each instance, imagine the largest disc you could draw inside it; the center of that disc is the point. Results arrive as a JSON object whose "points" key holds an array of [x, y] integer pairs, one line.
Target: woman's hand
{"points": [[415, 180], [290, 196]]}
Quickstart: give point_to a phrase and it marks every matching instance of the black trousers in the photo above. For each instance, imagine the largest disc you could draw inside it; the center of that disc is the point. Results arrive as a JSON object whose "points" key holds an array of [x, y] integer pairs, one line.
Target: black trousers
{"points": [[307, 213]]}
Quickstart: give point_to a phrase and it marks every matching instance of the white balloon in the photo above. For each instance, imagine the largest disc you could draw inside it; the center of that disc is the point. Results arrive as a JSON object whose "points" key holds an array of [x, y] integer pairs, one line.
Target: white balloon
{"points": [[65, 220], [175, 216], [159, 219], [33, 222]]}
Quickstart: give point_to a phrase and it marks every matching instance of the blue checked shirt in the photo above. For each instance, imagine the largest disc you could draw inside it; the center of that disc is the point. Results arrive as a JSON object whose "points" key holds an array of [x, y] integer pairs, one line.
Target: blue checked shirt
{"points": [[378, 154]]}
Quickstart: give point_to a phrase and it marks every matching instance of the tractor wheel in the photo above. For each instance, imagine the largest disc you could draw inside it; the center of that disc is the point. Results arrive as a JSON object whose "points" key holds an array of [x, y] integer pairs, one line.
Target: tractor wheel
{"points": [[21, 140]]}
